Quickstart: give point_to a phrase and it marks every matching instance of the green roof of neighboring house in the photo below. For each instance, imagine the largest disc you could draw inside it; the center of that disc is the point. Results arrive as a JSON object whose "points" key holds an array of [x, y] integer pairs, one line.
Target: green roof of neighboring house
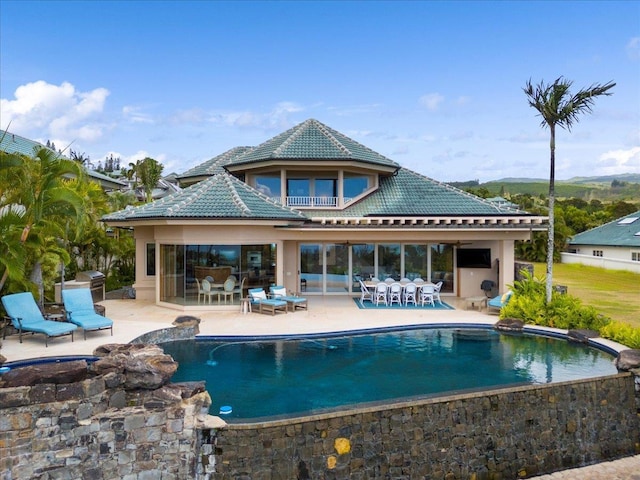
{"points": [[214, 165], [313, 141], [623, 232], [410, 194], [221, 196], [12, 143]]}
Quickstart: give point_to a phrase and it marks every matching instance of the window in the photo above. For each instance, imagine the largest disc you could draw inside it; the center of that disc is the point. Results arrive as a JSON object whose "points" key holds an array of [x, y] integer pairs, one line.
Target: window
{"points": [[597, 253], [354, 186], [151, 259], [269, 185], [635, 256]]}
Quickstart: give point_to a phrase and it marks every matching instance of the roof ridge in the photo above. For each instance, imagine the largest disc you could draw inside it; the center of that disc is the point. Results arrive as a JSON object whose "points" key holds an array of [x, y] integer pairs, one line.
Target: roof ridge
{"points": [[235, 196], [296, 133], [325, 130]]}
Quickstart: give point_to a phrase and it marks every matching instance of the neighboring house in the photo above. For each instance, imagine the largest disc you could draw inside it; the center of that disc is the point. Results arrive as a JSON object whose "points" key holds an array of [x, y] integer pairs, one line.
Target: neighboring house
{"points": [[503, 202], [614, 245], [316, 211], [12, 143]]}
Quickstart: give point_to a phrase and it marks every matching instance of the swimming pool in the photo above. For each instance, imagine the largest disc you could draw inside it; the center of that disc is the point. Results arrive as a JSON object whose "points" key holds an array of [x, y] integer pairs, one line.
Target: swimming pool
{"points": [[289, 377]]}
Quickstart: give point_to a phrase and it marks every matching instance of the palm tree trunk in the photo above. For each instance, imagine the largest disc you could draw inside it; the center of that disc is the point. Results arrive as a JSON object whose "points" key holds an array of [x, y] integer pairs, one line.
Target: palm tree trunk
{"points": [[552, 201]]}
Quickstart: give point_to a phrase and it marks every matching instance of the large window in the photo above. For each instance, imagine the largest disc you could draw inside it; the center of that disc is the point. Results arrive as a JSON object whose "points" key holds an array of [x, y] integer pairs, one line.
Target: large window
{"points": [[354, 185], [269, 185], [389, 261], [185, 266]]}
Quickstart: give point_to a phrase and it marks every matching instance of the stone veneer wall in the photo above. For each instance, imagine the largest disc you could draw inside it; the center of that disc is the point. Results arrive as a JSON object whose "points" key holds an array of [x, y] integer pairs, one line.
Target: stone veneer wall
{"points": [[90, 430], [502, 434], [87, 430]]}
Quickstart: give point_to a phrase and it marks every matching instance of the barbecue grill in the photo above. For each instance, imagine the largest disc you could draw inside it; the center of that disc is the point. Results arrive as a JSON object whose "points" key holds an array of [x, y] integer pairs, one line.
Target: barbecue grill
{"points": [[96, 283]]}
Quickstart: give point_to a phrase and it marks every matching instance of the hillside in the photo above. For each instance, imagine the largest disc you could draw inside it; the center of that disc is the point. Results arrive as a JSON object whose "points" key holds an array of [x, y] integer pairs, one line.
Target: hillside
{"points": [[626, 187]]}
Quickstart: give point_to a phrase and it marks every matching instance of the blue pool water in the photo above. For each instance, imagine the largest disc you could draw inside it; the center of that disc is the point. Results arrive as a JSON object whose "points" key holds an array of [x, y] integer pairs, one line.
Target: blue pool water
{"points": [[292, 377]]}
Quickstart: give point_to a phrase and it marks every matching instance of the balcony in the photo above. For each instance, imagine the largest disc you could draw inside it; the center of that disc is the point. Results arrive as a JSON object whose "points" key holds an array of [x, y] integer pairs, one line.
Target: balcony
{"points": [[311, 202]]}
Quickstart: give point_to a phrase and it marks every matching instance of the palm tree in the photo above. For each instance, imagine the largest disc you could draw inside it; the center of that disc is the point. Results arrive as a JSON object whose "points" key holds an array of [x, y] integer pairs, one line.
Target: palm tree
{"points": [[40, 186], [558, 107], [149, 172]]}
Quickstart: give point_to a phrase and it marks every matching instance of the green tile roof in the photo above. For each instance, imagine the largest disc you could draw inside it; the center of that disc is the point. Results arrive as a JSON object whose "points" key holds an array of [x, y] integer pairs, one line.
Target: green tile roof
{"points": [[410, 194], [214, 165], [12, 143], [313, 141], [623, 232], [221, 196]]}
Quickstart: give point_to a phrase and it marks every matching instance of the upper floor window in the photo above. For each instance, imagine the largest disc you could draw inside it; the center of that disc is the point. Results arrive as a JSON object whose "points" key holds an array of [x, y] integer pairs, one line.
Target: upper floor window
{"points": [[597, 253], [269, 185], [355, 185], [635, 256]]}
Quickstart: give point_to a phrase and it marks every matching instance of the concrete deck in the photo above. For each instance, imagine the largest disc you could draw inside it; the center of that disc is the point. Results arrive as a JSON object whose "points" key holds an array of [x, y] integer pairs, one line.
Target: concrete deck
{"points": [[132, 318]]}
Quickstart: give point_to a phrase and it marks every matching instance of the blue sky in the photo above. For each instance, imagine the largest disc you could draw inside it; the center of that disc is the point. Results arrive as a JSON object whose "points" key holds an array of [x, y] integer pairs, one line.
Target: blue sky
{"points": [[435, 86]]}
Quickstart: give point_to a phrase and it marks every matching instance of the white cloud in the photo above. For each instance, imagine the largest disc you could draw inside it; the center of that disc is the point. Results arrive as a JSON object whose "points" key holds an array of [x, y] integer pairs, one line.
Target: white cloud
{"points": [[41, 109], [633, 48], [134, 114], [620, 161], [431, 101]]}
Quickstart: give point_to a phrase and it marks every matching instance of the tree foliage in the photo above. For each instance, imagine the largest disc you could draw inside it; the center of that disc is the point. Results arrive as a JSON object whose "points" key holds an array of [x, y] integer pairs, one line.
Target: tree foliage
{"points": [[558, 108]]}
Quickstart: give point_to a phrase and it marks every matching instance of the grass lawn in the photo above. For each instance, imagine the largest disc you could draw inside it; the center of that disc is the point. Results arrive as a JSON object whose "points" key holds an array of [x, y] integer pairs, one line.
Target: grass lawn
{"points": [[614, 293]]}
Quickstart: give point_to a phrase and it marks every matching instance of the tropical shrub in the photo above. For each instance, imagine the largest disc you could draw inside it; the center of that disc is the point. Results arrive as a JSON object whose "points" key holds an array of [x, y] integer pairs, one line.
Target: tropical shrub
{"points": [[622, 333], [564, 311]]}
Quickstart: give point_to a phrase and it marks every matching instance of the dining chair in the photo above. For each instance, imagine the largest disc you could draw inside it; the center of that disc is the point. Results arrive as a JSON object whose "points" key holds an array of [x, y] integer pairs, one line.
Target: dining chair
{"points": [[365, 293], [389, 280], [206, 290], [418, 281], [426, 295], [228, 290], [409, 295], [395, 293], [436, 292], [381, 293]]}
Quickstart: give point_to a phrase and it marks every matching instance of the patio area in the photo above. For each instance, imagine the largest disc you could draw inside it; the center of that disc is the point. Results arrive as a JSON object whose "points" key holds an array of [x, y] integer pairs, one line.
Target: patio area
{"points": [[132, 318]]}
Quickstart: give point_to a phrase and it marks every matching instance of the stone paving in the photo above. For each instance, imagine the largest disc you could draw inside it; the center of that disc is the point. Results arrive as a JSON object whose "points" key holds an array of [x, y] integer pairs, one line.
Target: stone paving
{"points": [[134, 318], [623, 469]]}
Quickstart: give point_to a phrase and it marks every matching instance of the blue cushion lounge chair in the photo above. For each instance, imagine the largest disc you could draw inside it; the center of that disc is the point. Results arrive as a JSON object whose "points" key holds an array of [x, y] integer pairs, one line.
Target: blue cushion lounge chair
{"points": [[500, 301], [280, 293], [78, 304], [265, 305], [25, 316]]}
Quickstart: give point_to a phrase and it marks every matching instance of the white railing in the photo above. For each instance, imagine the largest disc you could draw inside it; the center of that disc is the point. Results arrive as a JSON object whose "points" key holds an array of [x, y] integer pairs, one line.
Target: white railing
{"points": [[311, 202]]}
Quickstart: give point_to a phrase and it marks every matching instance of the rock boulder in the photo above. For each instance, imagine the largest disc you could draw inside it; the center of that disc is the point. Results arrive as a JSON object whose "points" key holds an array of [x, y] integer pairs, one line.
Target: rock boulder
{"points": [[143, 366]]}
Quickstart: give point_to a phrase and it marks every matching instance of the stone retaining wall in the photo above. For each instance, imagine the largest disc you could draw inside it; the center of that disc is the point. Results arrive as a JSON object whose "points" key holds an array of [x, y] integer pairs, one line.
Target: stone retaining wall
{"points": [[87, 430], [503, 434], [93, 429]]}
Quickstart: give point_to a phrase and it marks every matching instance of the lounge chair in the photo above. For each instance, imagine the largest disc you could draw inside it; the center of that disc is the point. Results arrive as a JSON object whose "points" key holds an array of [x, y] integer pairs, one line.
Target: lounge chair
{"points": [[25, 316], [265, 305], [278, 292], [78, 304], [500, 301]]}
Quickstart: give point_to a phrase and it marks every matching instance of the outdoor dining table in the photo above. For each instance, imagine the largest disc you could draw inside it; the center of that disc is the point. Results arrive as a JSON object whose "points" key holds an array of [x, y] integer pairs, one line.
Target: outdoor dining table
{"points": [[370, 284]]}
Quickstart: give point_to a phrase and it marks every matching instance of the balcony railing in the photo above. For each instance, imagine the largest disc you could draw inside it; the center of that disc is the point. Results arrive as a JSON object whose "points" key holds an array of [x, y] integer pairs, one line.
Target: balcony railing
{"points": [[311, 202]]}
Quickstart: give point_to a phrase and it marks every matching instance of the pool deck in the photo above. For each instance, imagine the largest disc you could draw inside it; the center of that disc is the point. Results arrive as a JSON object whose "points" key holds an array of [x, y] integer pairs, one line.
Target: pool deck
{"points": [[133, 318]]}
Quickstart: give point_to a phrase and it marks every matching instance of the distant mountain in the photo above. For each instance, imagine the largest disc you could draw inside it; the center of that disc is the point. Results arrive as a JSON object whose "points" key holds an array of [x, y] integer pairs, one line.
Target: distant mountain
{"points": [[623, 177]]}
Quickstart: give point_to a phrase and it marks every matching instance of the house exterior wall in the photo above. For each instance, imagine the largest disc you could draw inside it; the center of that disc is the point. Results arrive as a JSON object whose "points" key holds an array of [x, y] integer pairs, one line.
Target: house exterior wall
{"points": [[288, 240], [601, 262], [609, 252]]}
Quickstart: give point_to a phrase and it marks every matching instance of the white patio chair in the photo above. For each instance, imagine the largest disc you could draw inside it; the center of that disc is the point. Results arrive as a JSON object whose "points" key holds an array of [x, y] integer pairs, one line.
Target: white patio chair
{"points": [[409, 295], [389, 280], [418, 281], [365, 293], [381, 293], [426, 295], [436, 292], [395, 293]]}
